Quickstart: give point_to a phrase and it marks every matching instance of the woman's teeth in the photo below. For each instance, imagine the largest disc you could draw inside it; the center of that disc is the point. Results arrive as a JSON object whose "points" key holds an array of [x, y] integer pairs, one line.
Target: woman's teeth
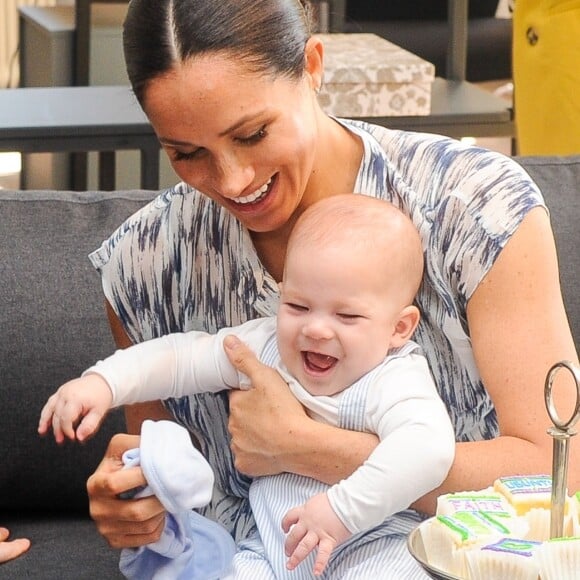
{"points": [[254, 196]]}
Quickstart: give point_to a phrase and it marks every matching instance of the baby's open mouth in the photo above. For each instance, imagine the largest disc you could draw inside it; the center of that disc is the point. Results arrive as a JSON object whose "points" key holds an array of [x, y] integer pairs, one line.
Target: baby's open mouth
{"points": [[317, 362]]}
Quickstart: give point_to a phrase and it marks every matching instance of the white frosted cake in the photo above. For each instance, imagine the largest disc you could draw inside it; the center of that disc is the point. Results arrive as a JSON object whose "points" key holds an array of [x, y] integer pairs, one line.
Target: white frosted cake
{"points": [[506, 559], [448, 538], [531, 497], [502, 532]]}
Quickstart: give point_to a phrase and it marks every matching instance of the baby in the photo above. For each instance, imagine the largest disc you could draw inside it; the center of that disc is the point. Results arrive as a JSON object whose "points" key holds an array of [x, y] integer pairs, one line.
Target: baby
{"points": [[342, 341]]}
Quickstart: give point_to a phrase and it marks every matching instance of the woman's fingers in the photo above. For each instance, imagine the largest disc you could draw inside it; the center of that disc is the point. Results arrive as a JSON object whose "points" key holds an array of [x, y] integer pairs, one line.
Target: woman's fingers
{"points": [[125, 523], [243, 358], [129, 523]]}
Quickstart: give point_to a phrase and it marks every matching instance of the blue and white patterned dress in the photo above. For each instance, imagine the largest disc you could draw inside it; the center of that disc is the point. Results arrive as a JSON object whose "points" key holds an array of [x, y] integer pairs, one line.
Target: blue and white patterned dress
{"points": [[184, 263]]}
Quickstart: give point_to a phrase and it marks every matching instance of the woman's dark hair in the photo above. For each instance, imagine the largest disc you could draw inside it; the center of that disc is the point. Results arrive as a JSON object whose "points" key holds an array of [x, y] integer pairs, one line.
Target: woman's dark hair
{"points": [[268, 35]]}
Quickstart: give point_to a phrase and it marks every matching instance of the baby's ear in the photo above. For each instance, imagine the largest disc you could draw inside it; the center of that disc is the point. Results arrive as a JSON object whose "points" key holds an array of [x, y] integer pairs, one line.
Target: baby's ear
{"points": [[405, 326]]}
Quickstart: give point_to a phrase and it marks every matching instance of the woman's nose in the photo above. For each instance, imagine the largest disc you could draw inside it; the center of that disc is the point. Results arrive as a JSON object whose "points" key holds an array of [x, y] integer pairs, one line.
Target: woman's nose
{"points": [[232, 176]]}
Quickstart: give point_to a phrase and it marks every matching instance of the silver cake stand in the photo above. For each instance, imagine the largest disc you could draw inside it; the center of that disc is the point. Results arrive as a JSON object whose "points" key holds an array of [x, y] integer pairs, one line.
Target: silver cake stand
{"points": [[561, 432]]}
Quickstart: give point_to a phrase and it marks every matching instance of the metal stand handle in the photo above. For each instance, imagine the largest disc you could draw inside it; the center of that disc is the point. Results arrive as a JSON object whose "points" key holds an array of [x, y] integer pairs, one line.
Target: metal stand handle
{"points": [[561, 433]]}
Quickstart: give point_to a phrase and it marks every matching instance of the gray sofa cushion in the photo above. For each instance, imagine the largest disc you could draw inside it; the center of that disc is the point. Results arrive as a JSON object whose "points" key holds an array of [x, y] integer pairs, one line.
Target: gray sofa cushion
{"points": [[52, 325], [64, 547], [559, 180]]}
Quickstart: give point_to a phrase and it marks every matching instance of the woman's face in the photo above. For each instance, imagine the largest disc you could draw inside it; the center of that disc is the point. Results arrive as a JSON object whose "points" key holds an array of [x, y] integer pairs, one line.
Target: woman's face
{"points": [[245, 139]]}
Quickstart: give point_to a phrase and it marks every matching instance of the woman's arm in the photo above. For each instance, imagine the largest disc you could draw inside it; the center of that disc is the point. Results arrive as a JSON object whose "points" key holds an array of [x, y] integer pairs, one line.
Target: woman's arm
{"points": [[271, 432], [519, 329]]}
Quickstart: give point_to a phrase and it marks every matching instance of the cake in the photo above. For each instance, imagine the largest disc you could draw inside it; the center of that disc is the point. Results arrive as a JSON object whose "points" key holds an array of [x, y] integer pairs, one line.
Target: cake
{"points": [[575, 514], [485, 500], [503, 532], [526, 492], [531, 497], [507, 558], [559, 559], [449, 537]]}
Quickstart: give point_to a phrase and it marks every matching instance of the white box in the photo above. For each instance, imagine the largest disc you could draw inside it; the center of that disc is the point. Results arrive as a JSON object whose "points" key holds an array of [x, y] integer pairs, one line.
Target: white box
{"points": [[367, 76]]}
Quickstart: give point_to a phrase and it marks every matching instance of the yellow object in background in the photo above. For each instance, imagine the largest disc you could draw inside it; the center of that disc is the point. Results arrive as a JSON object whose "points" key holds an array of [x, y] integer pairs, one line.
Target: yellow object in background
{"points": [[546, 74]]}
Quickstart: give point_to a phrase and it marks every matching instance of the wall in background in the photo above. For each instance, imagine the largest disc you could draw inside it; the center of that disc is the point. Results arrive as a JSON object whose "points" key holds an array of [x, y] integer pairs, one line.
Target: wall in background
{"points": [[9, 73]]}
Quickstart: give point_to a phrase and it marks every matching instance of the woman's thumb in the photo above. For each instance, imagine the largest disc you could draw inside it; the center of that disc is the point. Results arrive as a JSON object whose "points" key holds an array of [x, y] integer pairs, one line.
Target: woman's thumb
{"points": [[240, 355]]}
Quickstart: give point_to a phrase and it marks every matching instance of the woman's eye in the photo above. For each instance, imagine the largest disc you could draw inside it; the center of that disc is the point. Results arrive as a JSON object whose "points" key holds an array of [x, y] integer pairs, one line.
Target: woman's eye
{"points": [[185, 156], [255, 137]]}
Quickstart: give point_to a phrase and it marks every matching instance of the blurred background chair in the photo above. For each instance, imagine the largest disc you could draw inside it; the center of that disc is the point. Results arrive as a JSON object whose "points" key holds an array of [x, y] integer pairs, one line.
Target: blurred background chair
{"points": [[421, 26]]}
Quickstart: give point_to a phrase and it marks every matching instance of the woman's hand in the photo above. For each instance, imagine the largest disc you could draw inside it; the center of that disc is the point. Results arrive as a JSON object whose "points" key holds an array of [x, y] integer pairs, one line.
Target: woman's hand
{"points": [[272, 433], [125, 523], [263, 418]]}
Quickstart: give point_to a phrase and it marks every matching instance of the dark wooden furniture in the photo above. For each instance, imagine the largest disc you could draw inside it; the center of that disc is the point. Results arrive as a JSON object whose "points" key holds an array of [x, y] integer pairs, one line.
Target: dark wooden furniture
{"points": [[458, 108], [73, 119]]}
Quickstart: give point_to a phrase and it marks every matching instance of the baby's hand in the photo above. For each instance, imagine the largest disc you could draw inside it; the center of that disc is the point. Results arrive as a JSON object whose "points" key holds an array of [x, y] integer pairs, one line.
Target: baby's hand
{"points": [[313, 524], [80, 405]]}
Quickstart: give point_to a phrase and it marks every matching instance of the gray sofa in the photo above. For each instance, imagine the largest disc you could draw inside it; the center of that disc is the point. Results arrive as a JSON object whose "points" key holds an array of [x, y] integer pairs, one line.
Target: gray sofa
{"points": [[53, 325]]}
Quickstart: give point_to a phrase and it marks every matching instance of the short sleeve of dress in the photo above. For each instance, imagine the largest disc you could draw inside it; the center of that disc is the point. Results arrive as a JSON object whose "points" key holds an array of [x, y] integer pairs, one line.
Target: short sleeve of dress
{"points": [[182, 263], [466, 203], [478, 216]]}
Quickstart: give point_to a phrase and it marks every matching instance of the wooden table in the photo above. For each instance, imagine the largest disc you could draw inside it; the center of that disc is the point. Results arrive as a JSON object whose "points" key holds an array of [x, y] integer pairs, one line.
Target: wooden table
{"points": [[79, 119], [458, 109]]}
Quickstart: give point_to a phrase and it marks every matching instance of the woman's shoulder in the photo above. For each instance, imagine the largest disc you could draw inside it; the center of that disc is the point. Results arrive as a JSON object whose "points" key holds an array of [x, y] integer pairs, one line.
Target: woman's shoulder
{"points": [[428, 170], [173, 216], [408, 150]]}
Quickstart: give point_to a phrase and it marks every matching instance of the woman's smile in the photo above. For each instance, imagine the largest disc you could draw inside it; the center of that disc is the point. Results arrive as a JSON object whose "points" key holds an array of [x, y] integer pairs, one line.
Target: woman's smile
{"points": [[260, 193]]}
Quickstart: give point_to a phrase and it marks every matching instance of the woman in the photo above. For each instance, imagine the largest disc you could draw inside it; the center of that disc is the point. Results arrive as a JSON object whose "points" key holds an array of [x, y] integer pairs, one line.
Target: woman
{"points": [[230, 89]]}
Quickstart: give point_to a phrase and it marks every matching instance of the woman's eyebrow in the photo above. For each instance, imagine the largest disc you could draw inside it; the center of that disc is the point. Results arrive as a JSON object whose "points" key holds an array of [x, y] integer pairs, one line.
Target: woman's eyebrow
{"points": [[175, 143], [242, 121]]}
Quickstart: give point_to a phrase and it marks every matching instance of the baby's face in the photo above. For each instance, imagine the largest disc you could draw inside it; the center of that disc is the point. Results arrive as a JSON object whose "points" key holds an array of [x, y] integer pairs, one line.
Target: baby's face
{"points": [[336, 318]]}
